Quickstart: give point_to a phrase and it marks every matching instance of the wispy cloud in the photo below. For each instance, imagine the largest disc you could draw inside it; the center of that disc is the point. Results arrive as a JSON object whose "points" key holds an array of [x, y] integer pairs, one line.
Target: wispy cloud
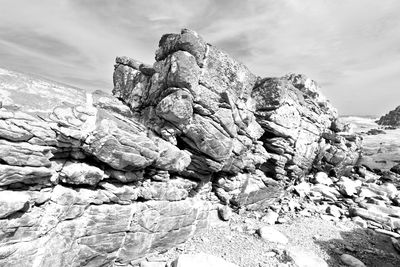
{"points": [[349, 47]]}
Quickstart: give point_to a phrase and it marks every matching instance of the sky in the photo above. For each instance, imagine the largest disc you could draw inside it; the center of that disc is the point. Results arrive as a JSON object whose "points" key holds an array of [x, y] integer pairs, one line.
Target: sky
{"points": [[351, 48]]}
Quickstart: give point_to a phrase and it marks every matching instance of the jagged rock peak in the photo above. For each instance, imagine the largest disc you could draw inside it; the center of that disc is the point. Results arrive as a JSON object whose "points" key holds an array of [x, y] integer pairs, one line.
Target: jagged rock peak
{"points": [[391, 119]]}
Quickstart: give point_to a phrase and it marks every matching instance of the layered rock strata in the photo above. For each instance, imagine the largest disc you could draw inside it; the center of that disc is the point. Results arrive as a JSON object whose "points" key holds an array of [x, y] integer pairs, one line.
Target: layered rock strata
{"points": [[302, 130], [105, 180], [87, 184]]}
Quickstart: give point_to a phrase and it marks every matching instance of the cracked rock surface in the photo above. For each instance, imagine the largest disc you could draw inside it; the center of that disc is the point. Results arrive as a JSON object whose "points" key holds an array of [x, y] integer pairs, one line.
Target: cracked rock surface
{"points": [[91, 179]]}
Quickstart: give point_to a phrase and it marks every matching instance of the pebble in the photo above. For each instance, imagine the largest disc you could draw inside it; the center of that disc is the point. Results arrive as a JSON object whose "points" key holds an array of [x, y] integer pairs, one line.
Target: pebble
{"points": [[270, 234], [360, 222], [302, 189], [305, 258], [347, 186], [334, 211], [322, 178], [396, 244], [270, 217], [225, 212], [351, 261]]}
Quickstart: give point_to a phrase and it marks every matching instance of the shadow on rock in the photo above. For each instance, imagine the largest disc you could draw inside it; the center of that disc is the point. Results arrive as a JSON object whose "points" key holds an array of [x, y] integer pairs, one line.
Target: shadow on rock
{"points": [[370, 247]]}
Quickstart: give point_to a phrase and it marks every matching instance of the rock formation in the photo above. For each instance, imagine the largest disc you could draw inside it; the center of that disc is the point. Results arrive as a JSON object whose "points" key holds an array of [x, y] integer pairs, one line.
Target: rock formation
{"points": [[390, 119], [302, 130], [105, 180]]}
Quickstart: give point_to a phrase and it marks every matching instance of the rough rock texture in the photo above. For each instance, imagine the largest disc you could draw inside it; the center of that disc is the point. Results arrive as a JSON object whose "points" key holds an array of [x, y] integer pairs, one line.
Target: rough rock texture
{"points": [[88, 179], [89, 182], [301, 127], [197, 98], [390, 119]]}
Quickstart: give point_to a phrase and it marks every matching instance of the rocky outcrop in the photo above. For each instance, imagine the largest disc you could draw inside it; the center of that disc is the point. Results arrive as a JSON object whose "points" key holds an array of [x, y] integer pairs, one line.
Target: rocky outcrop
{"points": [[198, 98], [105, 180], [302, 131], [205, 102], [90, 182], [390, 119]]}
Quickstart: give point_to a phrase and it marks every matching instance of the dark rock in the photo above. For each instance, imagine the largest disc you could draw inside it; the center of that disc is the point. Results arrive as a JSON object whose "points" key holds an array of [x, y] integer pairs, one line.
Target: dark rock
{"points": [[376, 132], [390, 119], [395, 169]]}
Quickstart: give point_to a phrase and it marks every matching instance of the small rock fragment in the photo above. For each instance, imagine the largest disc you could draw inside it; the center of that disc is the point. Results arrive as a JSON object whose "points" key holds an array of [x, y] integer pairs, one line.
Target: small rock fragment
{"points": [[360, 221], [225, 212], [351, 261], [396, 244], [322, 178], [270, 234], [334, 211], [305, 258], [270, 217], [302, 189]]}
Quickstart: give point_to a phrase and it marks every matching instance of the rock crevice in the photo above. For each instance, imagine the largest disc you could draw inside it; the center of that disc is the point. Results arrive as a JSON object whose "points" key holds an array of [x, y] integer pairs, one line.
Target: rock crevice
{"points": [[107, 179]]}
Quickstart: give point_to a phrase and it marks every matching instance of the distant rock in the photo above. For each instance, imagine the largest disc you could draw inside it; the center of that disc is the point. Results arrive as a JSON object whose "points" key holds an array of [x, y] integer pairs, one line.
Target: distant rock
{"points": [[390, 119], [396, 169], [376, 132]]}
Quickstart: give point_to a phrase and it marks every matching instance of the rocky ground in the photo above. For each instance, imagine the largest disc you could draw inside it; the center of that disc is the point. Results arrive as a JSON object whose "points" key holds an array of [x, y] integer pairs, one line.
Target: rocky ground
{"points": [[325, 221], [303, 233]]}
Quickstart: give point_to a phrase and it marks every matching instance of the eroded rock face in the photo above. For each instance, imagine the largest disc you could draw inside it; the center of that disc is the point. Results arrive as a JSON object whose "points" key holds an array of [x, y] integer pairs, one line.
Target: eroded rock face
{"points": [[197, 98], [91, 183], [301, 128], [391, 119], [106, 179], [85, 227]]}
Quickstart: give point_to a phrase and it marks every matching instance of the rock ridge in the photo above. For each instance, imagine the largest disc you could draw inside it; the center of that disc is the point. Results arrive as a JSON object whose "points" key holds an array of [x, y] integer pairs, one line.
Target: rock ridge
{"points": [[105, 180]]}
